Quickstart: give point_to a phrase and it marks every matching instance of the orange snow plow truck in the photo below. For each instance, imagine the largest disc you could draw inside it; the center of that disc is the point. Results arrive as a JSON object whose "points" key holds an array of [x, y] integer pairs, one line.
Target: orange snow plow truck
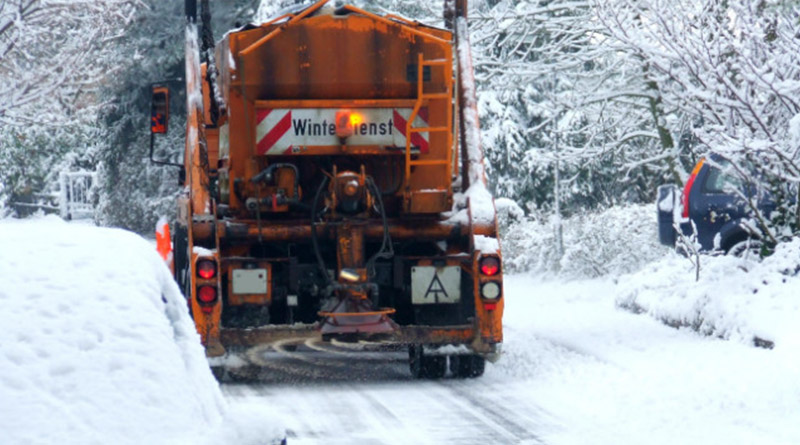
{"points": [[334, 189]]}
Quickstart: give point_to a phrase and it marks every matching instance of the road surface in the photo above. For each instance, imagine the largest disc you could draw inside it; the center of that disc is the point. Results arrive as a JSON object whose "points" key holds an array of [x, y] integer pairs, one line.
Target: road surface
{"points": [[575, 370]]}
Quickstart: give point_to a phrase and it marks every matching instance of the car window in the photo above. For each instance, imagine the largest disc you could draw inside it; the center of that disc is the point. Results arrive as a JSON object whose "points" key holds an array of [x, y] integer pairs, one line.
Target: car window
{"points": [[719, 182]]}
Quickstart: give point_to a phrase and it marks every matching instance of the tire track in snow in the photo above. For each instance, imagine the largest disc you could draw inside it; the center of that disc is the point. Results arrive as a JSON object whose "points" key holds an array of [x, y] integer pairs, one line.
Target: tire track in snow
{"points": [[333, 394], [482, 409]]}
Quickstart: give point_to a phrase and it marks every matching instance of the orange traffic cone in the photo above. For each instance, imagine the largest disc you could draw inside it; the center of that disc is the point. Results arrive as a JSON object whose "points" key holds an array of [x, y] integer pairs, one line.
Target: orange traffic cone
{"points": [[164, 243]]}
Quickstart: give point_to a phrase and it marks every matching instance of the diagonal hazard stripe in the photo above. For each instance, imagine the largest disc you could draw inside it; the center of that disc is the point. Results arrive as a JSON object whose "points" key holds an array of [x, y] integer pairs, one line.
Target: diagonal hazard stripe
{"points": [[416, 138], [423, 113], [274, 134], [262, 113]]}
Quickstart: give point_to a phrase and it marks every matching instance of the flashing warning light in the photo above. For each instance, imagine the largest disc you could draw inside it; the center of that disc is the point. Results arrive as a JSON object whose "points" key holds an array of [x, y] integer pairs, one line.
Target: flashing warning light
{"points": [[355, 118], [207, 294], [490, 266], [688, 188], [347, 121], [206, 269]]}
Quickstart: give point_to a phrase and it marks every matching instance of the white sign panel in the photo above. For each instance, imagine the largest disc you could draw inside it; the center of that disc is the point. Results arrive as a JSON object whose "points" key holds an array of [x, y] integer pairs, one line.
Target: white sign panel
{"points": [[432, 285], [287, 131], [250, 281]]}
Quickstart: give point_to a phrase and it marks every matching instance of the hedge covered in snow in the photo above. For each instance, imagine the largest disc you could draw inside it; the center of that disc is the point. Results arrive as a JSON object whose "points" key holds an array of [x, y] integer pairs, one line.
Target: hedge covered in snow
{"points": [[734, 298], [614, 241]]}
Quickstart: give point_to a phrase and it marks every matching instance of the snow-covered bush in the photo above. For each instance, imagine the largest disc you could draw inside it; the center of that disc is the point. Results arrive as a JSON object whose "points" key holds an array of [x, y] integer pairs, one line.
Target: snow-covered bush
{"points": [[734, 298], [614, 241]]}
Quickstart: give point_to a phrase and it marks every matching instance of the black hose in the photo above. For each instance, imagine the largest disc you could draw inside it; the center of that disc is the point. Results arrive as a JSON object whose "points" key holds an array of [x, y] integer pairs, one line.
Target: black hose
{"points": [[386, 250], [258, 214], [314, 240], [266, 175]]}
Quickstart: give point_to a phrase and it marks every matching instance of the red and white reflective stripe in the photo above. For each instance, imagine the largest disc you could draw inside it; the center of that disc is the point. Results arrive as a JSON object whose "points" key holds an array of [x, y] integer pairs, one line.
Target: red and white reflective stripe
{"points": [[284, 131], [418, 139], [273, 125]]}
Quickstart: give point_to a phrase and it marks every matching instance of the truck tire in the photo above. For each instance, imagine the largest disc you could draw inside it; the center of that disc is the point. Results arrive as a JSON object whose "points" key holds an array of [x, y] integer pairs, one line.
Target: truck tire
{"points": [[748, 248], [467, 366], [426, 366]]}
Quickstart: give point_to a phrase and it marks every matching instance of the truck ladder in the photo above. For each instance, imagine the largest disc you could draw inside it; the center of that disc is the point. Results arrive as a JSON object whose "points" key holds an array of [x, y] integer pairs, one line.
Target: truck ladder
{"points": [[422, 97]]}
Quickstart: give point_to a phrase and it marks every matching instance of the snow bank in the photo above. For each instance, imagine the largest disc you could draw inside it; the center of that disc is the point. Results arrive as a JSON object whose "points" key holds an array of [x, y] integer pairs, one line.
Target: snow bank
{"points": [[615, 241], [97, 346], [734, 298], [592, 373]]}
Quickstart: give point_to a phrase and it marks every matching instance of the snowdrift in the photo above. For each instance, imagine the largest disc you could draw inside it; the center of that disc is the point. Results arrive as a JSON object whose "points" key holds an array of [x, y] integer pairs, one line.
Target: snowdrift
{"points": [[734, 298], [97, 346]]}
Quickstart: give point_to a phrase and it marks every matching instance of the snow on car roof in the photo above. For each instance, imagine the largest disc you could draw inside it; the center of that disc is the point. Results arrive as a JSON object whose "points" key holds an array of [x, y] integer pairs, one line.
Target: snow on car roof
{"points": [[96, 343]]}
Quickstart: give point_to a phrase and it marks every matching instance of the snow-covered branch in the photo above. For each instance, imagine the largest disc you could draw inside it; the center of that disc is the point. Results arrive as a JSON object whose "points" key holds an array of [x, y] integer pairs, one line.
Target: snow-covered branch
{"points": [[51, 54]]}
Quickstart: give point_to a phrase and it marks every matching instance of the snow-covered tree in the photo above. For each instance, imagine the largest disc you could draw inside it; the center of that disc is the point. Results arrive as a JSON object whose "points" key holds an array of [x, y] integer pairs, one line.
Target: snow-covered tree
{"points": [[49, 54], [54, 59], [133, 192], [557, 101], [732, 69]]}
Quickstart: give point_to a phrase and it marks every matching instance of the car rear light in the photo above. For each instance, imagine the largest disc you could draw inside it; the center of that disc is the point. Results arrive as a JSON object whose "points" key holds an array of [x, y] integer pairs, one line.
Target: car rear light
{"points": [[688, 188], [490, 266], [207, 294], [206, 269], [490, 290]]}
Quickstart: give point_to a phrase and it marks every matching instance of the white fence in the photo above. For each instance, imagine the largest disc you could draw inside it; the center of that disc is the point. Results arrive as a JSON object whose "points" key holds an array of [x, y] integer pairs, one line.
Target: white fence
{"points": [[75, 200]]}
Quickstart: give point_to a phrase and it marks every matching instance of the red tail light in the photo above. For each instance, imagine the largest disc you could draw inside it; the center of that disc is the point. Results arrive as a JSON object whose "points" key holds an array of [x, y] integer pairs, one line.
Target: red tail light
{"points": [[207, 294], [490, 266], [206, 269], [688, 188]]}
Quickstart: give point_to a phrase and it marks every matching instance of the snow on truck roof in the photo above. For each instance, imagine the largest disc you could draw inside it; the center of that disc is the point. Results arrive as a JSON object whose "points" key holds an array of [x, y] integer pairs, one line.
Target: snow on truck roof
{"points": [[330, 8], [97, 346]]}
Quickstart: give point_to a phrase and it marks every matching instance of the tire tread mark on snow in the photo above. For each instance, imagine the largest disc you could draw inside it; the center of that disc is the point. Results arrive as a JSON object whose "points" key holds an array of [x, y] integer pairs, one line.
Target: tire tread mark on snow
{"points": [[256, 356], [375, 403], [384, 414], [502, 433], [485, 406]]}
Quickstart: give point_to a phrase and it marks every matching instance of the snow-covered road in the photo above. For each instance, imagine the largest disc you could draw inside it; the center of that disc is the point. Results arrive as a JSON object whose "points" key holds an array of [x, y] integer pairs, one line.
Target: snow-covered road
{"points": [[575, 370], [376, 402]]}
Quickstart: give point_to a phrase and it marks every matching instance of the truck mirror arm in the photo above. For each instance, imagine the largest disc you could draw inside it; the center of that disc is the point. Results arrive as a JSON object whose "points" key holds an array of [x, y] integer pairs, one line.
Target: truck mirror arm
{"points": [[159, 116]]}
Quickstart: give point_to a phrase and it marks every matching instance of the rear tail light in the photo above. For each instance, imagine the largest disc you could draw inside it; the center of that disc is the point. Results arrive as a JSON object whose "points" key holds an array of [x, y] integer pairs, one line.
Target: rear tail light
{"points": [[490, 290], [206, 269], [688, 188], [490, 266], [207, 294]]}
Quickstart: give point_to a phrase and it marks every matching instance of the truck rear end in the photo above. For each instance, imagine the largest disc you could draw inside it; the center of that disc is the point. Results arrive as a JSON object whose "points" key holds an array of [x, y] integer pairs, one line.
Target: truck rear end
{"points": [[331, 193]]}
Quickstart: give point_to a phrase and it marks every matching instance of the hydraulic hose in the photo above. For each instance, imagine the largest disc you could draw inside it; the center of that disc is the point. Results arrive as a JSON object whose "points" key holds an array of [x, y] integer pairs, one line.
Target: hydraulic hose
{"points": [[386, 250], [314, 239]]}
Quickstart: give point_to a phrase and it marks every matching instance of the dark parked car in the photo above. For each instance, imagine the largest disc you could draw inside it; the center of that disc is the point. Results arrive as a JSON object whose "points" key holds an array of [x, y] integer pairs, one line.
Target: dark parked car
{"points": [[712, 204]]}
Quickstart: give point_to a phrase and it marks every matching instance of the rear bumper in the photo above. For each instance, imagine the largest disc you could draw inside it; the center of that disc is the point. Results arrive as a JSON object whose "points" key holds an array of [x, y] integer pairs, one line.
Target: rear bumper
{"points": [[405, 335]]}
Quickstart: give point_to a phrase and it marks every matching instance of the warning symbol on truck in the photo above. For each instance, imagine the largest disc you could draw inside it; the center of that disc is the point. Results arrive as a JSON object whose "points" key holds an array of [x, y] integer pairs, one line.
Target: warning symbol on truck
{"points": [[435, 288], [432, 285]]}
